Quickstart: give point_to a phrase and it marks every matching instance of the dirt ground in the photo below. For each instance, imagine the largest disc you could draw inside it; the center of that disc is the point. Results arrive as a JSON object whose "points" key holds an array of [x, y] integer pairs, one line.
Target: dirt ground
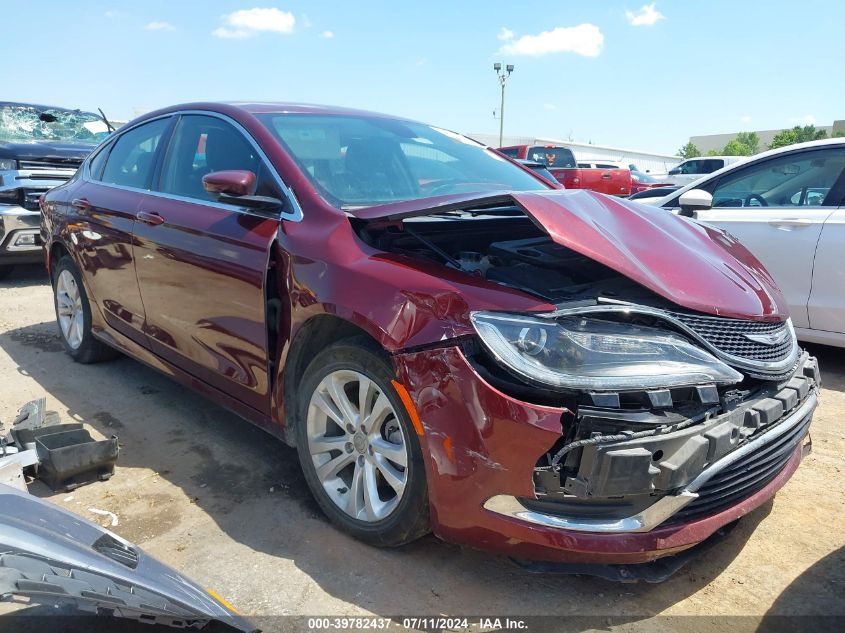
{"points": [[225, 504]]}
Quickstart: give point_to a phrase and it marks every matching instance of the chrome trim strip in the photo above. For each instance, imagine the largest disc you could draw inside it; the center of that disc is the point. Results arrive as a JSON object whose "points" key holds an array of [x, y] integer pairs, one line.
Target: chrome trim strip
{"points": [[662, 509], [644, 521], [295, 216], [736, 361]]}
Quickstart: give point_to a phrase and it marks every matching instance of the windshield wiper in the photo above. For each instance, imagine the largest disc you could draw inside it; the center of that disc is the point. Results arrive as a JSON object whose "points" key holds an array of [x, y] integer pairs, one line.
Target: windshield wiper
{"points": [[110, 127]]}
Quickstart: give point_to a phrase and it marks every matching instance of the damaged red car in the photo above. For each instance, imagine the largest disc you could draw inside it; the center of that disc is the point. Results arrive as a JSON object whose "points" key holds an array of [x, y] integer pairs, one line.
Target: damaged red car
{"points": [[452, 344]]}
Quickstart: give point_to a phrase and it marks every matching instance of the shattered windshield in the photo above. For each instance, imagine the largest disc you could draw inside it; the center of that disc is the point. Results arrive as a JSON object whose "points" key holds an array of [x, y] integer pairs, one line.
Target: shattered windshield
{"points": [[30, 123]]}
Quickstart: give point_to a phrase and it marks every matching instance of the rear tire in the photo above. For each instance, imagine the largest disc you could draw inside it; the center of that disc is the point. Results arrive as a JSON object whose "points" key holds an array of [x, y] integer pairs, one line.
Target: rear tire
{"points": [[358, 448], [73, 315]]}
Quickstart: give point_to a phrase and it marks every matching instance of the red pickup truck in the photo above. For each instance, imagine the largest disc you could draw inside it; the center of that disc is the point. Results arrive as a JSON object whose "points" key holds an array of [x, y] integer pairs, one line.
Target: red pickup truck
{"points": [[563, 166]]}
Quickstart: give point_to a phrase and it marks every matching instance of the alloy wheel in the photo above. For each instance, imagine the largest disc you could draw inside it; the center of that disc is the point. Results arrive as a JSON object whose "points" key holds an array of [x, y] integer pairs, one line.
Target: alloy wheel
{"points": [[69, 309], [358, 447]]}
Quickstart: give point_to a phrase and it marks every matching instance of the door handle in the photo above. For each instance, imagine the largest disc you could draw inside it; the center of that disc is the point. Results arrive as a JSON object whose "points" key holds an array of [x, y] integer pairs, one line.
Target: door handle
{"points": [[605, 176], [791, 222], [153, 219], [80, 204]]}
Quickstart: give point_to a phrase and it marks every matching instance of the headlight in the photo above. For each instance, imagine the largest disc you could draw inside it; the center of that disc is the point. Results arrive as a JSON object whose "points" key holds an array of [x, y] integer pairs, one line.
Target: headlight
{"points": [[7, 164], [588, 353]]}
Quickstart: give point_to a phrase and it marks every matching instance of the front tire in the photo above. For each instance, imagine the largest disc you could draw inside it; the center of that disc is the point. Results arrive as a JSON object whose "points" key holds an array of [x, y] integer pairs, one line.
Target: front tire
{"points": [[357, 447], [73, 315]]}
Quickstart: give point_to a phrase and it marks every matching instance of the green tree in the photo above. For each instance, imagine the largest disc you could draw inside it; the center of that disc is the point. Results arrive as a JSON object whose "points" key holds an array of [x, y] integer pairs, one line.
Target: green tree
{"points": [[689, 151], [745, 144], [797, 134], [838, 134]]}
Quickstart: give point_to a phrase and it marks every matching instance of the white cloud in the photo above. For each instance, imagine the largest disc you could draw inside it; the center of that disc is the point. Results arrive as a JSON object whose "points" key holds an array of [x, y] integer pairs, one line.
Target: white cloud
{"points": [[648, 15], [327, 34], [505, 34], [549, 106], [160, 26], [250, 22], [584, 39], [745, 119]]}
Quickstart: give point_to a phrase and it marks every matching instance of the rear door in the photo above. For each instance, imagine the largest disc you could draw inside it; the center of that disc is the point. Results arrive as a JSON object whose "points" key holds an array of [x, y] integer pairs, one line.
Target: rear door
{"points": [[103, 208], [202, 265], [776, 207], [827, 298]]}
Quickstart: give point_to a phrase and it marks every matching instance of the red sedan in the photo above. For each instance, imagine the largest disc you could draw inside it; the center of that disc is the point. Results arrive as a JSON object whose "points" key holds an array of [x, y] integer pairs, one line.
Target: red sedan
{"points": [[450, 343]]}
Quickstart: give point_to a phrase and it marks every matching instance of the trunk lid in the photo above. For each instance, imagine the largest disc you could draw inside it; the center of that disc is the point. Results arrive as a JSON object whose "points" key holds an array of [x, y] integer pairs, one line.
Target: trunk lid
{"points": [[692, 265]]}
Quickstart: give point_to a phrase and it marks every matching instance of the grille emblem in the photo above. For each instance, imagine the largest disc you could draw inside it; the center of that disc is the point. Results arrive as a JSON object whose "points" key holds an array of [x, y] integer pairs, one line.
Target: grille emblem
{"points": [[775, 338]]}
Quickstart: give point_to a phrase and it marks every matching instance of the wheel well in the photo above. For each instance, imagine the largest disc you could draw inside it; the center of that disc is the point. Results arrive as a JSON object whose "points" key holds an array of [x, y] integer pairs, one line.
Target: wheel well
{"points": [[316, 334], [57, 251]]}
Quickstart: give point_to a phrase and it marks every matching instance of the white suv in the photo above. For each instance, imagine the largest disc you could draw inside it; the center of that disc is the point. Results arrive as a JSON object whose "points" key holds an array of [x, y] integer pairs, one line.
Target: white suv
{"points": [[694, 168]]}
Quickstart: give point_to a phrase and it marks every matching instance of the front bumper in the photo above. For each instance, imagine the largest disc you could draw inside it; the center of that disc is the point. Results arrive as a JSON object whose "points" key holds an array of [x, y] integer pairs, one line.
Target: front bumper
{"points": [[482, 448], [20, 235]]}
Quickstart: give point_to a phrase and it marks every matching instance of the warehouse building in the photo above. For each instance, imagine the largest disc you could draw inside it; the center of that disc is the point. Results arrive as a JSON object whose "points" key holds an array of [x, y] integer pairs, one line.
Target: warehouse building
{"points": [[716, 142]]}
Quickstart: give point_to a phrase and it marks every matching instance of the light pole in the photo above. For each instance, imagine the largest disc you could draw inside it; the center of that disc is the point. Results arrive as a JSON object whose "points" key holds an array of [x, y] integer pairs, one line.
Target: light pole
{"points": [[503, 78]]}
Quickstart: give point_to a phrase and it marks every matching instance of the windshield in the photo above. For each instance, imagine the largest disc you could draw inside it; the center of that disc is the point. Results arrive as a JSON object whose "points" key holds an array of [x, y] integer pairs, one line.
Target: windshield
{"points": [[30, 123], [554, 157], [359, 161]]}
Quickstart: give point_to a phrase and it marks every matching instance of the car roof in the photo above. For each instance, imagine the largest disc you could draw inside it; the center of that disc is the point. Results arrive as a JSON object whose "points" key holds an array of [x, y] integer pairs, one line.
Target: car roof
{"points": [[747, 160], [722, 157]]}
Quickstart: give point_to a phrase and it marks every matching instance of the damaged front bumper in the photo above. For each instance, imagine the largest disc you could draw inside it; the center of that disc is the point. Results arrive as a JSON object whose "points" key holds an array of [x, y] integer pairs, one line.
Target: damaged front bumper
{"points": [[734, 473], [485, 451]]}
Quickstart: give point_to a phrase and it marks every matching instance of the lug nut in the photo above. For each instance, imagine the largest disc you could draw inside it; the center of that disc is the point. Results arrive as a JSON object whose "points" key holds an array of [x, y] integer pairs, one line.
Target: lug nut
{"points": [[350, 429], [349, 448]]}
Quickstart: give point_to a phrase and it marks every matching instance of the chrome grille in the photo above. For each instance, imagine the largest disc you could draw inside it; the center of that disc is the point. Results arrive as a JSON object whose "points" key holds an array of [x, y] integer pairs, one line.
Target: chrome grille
{"points": [[728, 336], [54, 163]]}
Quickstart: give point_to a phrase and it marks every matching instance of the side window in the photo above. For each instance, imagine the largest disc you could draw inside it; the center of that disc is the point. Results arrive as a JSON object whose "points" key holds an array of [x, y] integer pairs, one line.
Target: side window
{"points": [[201, 145], [130, 161], [690, 167], [95, 167], [799, 179], [711, 165], [513, 152]]}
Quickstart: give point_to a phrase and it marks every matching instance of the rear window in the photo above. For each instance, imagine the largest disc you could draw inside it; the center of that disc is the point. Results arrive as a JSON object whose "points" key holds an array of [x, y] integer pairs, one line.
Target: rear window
{"points": [[553, 157], [513, 152]]}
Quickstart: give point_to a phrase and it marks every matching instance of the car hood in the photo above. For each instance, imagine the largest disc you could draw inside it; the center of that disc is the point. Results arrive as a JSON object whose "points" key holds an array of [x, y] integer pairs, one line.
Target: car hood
{"points": [[74, 153], [692, 265]]}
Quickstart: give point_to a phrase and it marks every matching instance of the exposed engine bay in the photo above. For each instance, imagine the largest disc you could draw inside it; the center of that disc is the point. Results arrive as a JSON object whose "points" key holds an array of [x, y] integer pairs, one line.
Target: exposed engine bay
{"points": [[509, 250]]}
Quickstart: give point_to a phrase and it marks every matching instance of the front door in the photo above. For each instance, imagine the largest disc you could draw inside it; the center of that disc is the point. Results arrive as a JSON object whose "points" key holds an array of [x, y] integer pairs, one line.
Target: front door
{"points": [[202, 265], [777, 208]]}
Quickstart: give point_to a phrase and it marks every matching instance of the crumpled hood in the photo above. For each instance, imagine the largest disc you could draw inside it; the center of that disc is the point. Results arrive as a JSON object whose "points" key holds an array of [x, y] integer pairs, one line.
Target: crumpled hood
{"points": [[692, 265]]}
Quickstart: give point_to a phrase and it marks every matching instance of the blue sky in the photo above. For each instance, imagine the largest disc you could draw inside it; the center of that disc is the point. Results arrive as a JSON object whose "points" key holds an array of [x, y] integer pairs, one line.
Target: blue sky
{"points": [[617, 72]]}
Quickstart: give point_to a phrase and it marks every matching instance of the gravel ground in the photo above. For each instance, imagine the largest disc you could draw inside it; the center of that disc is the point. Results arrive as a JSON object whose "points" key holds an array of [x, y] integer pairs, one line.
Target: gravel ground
{"points": [[224, 503]]}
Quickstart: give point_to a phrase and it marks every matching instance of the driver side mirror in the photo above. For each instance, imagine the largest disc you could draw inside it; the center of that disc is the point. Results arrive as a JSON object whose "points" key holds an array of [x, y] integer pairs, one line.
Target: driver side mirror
{"points": [[694, 200], [238, 187], [674, 171]]}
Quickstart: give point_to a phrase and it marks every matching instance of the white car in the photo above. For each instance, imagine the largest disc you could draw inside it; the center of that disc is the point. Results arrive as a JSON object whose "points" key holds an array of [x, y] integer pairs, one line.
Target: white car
{"points": [[785, 206], [694, 168]]}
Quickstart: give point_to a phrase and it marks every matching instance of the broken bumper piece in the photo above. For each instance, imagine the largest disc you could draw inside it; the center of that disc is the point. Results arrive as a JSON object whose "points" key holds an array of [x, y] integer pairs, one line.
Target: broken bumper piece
{"points": [[732, 475]]}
